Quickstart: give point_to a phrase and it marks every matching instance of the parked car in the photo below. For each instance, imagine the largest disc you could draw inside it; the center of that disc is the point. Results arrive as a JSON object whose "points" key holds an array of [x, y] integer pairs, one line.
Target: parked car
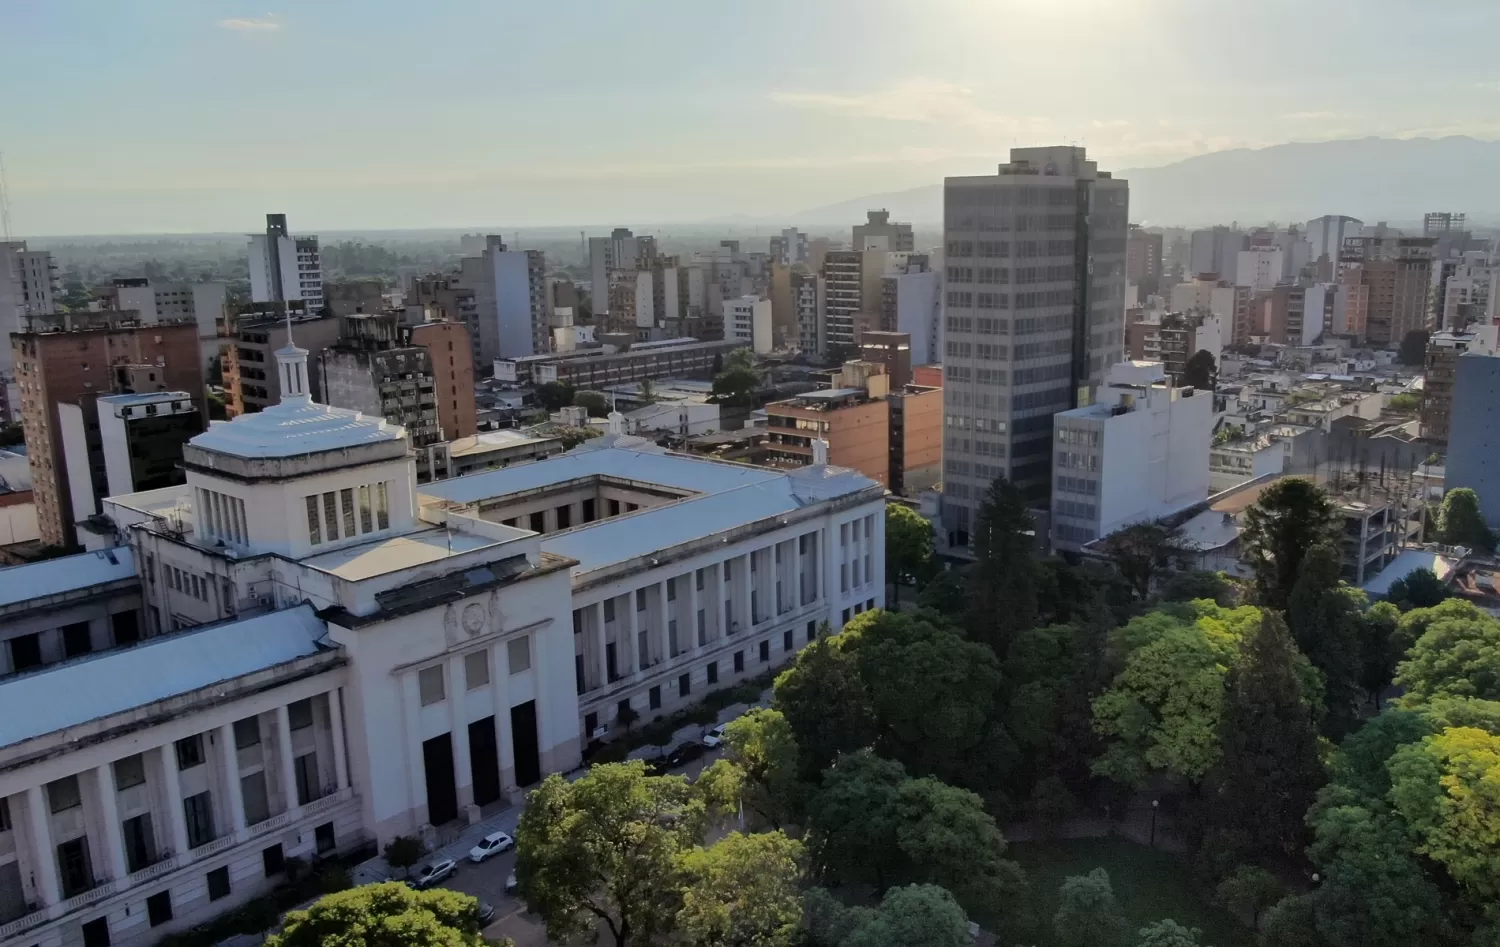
{"points": [[433, 872], [714, 737], [485, 913], [685, 753], [492, 844]]}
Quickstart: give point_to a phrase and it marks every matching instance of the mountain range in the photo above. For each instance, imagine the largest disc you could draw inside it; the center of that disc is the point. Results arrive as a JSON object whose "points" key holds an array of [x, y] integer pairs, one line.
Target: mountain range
{"points": [[1370, 178]]}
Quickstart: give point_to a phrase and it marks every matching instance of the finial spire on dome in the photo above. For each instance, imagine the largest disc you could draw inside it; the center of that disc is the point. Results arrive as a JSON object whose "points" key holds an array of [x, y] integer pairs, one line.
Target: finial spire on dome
{"points": [[291, 363]]}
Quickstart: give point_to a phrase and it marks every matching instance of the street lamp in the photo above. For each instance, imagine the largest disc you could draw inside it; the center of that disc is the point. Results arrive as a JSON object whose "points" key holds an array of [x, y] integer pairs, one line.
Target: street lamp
{"points": [[1155, 804]]}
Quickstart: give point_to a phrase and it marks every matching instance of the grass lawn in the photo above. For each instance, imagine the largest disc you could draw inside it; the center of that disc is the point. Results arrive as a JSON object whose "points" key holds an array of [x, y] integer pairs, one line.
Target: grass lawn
{"points": [[1149, 884]]}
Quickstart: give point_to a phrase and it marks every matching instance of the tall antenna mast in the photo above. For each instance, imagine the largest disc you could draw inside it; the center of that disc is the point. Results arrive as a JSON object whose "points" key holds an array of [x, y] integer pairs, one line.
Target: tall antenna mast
{"points": [[4, 201]]}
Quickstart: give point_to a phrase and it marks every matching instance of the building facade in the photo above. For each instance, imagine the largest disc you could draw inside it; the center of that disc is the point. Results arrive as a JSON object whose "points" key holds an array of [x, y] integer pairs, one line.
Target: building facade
{"points": [[26, 291], [747, 320], [284, 268], [452, 375], [125, 444], [372, 371], [879, 232], [598, 368], [1143, 259], [1388, 280], [251, 382], [202, 303], [1474, 423], [509, 288], [1033, 316]]}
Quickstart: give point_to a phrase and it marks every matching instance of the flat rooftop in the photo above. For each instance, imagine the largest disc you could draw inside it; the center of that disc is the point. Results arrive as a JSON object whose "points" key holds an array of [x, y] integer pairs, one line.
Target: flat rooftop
{"points": [[723, 496], [393, 553], [158, 668], [37, 580]]}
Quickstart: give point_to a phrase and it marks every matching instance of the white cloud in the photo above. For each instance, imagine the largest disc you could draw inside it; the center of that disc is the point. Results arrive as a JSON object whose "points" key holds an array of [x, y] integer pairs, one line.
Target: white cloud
{"points": [[265, 24], [918, 99]]}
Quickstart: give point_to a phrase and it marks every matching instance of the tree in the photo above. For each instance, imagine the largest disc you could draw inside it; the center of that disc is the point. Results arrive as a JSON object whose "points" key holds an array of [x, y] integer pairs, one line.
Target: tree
{"points": [[945, 593], [384, 915], [1087, 913], [736, 386], [1447, 788], [1269, 770], [404, 851], [913, 916], [1187, 586], [1167, 933], [1413, 349], [604, 849], [1379, 650], [1250, 890], [1325, 618], [824, 702], [852, 822], [553, 395], [1140, 551], [1455, 657], [908, 548], [1002, 581], [742, 892], [1419, 588], [1200, 372], [1291, 516], [592, 401], [1460, 522], [763, 747], [645, 391]]}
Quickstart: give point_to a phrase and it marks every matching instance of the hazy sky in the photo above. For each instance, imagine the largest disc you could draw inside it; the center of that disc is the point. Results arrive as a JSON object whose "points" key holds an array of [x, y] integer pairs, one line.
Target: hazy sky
{"points": [[130, 116]]}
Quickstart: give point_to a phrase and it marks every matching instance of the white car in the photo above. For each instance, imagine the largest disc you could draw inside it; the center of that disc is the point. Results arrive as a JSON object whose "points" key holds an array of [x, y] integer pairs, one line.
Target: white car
{"points": [[433, 872], [714, 738], [492, 844]]}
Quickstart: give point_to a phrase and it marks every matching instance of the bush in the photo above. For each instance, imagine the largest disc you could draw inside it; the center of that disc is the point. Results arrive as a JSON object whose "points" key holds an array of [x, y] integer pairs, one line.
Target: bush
{"points": [[1051, 803], [404, 851]]}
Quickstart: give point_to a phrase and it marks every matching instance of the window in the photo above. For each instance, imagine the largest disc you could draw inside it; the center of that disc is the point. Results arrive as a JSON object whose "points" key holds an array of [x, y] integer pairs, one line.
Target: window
{"points": [[382, 511], [564, 516], [159, 908], [366, 522], [430, 684], [869, 604], [614, 507], [538, 522], [347, 496], [62, 794], [739, 661], [713, 672], [812, 630], [640, 600], [218, 883], [702, 627], [314, 528], [588, 511], [684, 684], [653, 697], [305, 769], [26, 651], [273, 859], [139, 844], [476, 669], [699, 579], [590, 723], [786, 640], [96, 933], [518, 654], [323, 838], [299, 714], [131, 771], [846, 616], [331, 515], [190, 751], [609, 609], [76, 639], [4, 816], [765, 650], [253, 794], [672, 589], [246, 732], [198, 811], [623, 708]]}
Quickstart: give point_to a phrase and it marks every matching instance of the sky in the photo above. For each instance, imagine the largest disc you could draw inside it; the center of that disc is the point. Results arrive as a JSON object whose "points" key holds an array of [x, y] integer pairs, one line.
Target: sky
{"points": [[165, 116]]}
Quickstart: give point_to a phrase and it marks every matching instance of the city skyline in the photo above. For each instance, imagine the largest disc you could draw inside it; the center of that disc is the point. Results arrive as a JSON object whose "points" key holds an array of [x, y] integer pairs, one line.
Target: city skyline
{"points": [[193, 118]]}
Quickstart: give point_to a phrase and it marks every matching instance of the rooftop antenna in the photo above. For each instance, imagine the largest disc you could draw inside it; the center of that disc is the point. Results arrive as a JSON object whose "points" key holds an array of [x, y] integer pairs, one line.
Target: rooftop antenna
{"points": [[4, 201]]}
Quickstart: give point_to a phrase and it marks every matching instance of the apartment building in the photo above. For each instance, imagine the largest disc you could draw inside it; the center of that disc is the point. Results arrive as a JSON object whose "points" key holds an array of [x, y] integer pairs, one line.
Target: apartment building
{"points": [[1143, 259], [1217, 251], [1033, 317], [879, 232], [809, 298], [251, 382], [747, 320], [285, 268], [599, 368], [911, 301], [347, 297], [509, 288], [1138, 453], [1474, 422], [1172, 338], [26, 291], [435, 298], [1388, 280], [373, 369], [202, 303], [854, 422], [73, 360], [125, 443], [452, 375]]}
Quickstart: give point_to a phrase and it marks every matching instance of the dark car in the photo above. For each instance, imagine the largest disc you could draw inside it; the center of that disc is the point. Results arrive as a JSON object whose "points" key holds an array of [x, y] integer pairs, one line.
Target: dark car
{"points": [[484, 913], [685, 753]]}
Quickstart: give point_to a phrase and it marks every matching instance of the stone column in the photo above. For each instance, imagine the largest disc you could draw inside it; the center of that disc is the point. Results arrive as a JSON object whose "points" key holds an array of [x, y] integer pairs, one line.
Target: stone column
{"points": [[229, 763], [43, 857], [336, 724], [176, 818], [458, 729], [664, 650], [601, 649], [109, 813], [416, 774], [632, 626], [693, 606], [284, 754]]}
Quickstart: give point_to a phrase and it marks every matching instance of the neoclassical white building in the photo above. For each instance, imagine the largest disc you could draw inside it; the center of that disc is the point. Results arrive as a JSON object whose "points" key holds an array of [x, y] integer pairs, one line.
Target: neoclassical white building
{"points": [[300, 650]]}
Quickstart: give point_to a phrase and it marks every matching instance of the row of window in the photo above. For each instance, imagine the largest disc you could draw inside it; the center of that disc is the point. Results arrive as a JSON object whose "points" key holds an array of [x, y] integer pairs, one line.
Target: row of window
{"points": [[431, 681], [221, 516], [1076, 509], [1074, 460], [338, 518], [1081, 437], [1082, 485]]}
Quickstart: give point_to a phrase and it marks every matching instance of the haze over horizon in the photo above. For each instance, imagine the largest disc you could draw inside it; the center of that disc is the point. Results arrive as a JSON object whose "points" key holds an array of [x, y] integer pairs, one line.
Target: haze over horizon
{"points": [[201, 117]]}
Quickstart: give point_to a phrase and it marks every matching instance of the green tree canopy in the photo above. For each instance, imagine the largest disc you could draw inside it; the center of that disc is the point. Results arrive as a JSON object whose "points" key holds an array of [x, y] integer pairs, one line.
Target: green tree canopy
{"points": [[384, 915], [1250, 889], [1003, 579], [1269, 770], [1290, 517], [1141, 551], [1455, 657], [554, 394], [908, 547], [1460, 522], [1187, 586], [912, 916], [946, 593], [824, 701], [604, 850], [1447, 788], [1087, 913], [1326, 620], [762, 746], [1419, 588], [1413, 349], [1168, 933], [742, 892], [854, 818], [1201, 371], [737, 384], [592, 401]]}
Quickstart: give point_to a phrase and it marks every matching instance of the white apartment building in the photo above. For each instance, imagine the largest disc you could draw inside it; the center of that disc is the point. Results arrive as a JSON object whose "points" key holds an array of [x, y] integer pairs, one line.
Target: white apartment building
{"points": [[1138, 453], [1223, 298], [1260, 268], [809, 300], [509, 319], [284, 268], [915, 293], [748, 319], [26, 289], [1327, 234], [170, 302], [1215, 250], [295, 652]]}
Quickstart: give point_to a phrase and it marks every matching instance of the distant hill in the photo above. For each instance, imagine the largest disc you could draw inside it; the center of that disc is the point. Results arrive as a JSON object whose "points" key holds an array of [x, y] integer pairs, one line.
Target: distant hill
{"points": [[1369, 178]]}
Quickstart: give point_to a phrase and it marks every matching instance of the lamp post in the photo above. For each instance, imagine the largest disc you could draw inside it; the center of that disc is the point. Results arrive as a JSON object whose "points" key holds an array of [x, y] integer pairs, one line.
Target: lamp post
{"points": [[1155, 804]]}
